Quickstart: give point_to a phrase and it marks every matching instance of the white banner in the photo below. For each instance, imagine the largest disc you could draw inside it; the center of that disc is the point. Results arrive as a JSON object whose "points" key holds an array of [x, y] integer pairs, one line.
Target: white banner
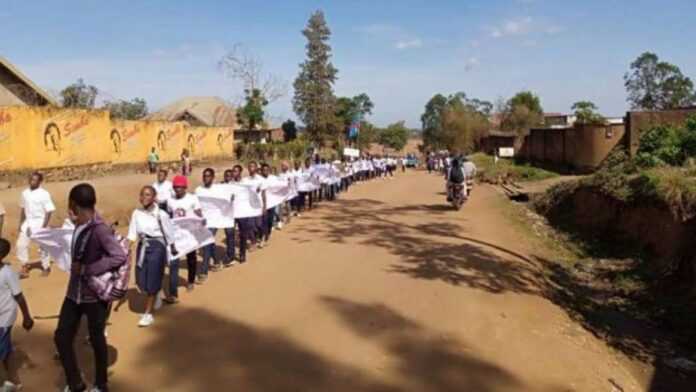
{"points": [[57, 243], [218, 212], [277, 191], [351, 152], [247, 203], [190, 234]]}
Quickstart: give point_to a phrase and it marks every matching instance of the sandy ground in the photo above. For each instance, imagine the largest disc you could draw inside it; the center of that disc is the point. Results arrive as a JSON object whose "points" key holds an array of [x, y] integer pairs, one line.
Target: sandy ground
{"points": [[385, 290]]}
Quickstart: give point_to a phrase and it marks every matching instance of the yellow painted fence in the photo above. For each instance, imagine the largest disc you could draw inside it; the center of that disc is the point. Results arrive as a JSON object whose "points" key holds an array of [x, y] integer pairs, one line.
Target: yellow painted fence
{"points": [[47, 137]]}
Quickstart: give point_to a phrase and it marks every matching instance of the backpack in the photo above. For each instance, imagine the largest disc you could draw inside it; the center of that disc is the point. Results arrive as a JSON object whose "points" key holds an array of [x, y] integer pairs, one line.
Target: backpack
{"points": [[457, 174], [111, 285]]}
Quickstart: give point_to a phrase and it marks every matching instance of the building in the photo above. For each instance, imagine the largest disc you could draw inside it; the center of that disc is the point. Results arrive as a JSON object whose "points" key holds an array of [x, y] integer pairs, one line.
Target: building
{"points": [[199, 112], [495, 140], [18, 90], [559, 120]]}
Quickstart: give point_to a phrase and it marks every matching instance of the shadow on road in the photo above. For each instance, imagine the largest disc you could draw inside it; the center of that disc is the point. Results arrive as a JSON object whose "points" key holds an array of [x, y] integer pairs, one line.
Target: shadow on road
{"points": [[193, 349], [431, 251]]}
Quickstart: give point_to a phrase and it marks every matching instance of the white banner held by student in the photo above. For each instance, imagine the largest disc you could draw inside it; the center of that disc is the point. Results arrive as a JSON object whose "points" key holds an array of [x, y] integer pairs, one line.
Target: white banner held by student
{"points": [[190, 234]]}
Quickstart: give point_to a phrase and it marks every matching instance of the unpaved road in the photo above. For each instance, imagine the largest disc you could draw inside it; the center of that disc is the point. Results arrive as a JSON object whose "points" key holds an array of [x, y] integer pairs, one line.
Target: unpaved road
{"points": [[384, 290]]}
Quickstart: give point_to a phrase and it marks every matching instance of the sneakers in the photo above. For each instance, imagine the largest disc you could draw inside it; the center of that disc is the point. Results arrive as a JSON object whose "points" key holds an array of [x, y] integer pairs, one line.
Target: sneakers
{"points": [[171, 300], [280, 226], [201, 279], [46, 272], [11, 387], [146, 320], [190, 287]]}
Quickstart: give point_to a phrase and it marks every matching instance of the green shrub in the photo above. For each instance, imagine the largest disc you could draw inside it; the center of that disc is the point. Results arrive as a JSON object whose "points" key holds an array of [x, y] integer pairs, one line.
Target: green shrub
{"points": [[667, 145]]}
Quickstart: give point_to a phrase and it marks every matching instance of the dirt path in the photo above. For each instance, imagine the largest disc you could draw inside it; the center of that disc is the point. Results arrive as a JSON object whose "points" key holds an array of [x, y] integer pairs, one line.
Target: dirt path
{"points": [[385, 290]]}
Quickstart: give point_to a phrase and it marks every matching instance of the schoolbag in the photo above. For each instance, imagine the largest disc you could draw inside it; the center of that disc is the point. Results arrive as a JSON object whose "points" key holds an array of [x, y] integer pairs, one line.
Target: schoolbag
{"points": [[111, 285], [457, 174]]}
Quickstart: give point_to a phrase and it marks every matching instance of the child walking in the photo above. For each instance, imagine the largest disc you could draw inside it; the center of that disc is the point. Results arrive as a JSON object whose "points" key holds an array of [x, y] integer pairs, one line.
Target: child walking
{"points": [[11, 297], [152, 230]]}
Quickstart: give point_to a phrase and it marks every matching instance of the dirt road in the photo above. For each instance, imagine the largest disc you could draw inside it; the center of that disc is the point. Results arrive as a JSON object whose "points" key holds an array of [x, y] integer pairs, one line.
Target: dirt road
{"points": [[384, 290]]}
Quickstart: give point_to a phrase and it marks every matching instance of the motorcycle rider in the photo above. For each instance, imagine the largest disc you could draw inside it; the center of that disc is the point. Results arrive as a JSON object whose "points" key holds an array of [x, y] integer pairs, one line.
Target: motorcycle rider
{"points": [[455, 176], [470, 171]]}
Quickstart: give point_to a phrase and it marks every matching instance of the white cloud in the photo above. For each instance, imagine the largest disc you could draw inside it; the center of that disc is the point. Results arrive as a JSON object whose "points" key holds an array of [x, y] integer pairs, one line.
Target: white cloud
{"points": [[409, 44], [510, 27], [471, 63]]}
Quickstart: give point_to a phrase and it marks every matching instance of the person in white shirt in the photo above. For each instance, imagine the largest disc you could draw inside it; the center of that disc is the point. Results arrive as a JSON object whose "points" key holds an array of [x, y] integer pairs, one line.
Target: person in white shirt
{"points": [[256, 182], [208, 189], [153, 232], [470, 172], [37, 208], [11, 297], [164, 189], [182, 205]]}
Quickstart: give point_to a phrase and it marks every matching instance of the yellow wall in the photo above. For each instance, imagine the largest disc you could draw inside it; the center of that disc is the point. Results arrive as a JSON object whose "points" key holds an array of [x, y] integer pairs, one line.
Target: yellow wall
{"points": [[35, 138]]}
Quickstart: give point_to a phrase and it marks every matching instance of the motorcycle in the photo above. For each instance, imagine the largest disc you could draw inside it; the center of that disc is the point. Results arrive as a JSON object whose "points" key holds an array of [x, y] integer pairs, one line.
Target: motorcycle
{"points": [[458, 196]]}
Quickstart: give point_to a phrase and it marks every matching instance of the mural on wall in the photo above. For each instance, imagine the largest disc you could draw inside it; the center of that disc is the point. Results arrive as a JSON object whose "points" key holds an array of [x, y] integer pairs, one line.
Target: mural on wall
{"points": [[115, 141], [191, 144], [222, 138], [52, 139], [161, 141]]}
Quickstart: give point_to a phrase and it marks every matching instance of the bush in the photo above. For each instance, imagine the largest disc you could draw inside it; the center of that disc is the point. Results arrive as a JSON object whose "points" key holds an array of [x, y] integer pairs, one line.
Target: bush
{"points": [[667, 145], [489, 171]]}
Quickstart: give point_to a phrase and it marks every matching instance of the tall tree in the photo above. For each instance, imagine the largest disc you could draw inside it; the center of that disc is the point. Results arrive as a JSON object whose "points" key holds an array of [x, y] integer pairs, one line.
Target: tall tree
{"points": [[522, 112], [454, 122], [355, 109], [289, 131], [368, 134], [79, 95], [432, 120], [586, 113], [242, 65], [657, 85], [314, 100], [127, 110], [394, 136], [251, 114]]}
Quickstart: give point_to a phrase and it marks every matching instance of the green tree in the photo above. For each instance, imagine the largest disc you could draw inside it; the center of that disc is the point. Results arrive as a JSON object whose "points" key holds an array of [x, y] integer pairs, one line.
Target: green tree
{"points": [[127, 110], [79, 95], [586, 113], [289, 131], [368, 134], [454, 122], [251, 114], [394, 136], [355, 108], [314, 100], [657, 85], [522, 112]]}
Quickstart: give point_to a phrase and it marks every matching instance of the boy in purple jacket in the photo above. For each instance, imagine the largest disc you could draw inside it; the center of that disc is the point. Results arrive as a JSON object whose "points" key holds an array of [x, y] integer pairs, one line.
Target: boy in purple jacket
{"points": [[94, 252]]}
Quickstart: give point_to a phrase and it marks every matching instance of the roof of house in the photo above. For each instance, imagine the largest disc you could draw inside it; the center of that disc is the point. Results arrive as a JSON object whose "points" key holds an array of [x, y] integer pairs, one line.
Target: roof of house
{"points": [[210, 111], [34, 88]]}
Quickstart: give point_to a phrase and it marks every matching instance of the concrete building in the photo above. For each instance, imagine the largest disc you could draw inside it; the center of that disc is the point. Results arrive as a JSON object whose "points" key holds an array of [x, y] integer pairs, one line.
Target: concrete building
{"points": [[18, 90]]}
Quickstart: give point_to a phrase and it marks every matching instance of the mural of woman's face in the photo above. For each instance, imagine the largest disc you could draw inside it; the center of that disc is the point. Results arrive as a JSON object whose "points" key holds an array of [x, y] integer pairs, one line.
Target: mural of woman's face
{"points": [[52, 138]]}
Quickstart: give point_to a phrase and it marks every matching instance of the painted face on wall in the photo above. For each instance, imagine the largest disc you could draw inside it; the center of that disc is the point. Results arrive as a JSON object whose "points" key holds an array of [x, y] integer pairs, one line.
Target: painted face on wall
{"points": [[162, 141], [52, 139], [116, 141]]}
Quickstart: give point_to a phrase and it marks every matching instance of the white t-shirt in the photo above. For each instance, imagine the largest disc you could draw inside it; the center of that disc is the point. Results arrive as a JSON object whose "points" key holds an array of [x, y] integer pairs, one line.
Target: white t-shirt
{"points": [[144, 222], [37, 204], [184, 207], [212, 191], [165, 190], [257, 182], [9, 287]]}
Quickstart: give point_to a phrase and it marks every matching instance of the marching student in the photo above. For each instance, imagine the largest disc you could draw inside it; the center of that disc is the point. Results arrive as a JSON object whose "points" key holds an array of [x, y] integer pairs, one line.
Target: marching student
{"points": [[152, 230], [94, 251], [269, 213], [186, 167], [256, 182], [164, 189], [11, 297], [183, 204], [246, 225], [229, 260], [305, 186], [208, 251], [37, 208], [288, 207]]}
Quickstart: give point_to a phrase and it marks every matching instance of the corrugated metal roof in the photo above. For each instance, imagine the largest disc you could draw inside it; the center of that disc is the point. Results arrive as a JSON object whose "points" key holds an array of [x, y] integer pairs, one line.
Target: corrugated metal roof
{"points": [[210, 111]]}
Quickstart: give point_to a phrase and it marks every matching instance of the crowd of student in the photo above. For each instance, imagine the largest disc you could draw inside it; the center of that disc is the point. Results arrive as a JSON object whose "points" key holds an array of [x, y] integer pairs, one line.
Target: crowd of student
{"points": [[95, 248]]}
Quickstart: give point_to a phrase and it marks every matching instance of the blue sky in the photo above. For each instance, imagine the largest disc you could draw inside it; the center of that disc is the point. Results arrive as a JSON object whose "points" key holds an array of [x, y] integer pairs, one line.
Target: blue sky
{"points": [[398, 52]]}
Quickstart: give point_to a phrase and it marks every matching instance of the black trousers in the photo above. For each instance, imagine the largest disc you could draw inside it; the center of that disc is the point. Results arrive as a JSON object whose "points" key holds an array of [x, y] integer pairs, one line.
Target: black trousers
{"points": [[306, 200], [68, 323]]}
